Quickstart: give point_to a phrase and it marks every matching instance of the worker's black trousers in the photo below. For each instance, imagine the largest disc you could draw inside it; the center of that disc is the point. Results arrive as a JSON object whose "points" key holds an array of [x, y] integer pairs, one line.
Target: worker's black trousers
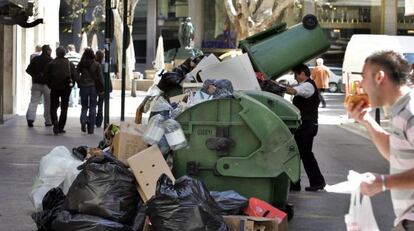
{"points": [[304, 139]]}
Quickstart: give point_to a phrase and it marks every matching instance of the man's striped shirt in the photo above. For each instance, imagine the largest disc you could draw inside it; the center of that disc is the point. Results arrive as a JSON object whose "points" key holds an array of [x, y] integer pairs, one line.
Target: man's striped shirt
{"points": [[73, 57], [402, 154]]}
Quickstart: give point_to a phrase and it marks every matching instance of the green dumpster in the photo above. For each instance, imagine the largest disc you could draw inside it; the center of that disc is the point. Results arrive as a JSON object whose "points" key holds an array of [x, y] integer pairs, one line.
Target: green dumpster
{"points": [[277, 49], [288, 113], [240, 144], [246, 143]]}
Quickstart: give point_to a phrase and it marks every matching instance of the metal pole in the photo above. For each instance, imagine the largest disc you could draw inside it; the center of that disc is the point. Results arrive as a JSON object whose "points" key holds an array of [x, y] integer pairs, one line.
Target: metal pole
{"points": [[108, 38], [1, 72], [124, 47]]}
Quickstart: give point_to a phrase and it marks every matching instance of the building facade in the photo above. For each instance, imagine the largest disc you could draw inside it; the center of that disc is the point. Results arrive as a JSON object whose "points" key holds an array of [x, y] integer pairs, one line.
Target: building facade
{"points": [[16, 46], [152, 18]]}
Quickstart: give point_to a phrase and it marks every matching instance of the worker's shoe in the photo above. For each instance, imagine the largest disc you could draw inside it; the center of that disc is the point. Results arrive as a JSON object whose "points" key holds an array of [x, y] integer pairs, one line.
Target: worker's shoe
{"points": [[30, 123], [315, 187], [56, 128]]}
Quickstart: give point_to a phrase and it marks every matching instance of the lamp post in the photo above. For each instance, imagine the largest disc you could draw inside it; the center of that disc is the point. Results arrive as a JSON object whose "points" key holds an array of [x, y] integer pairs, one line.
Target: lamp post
{"points": [[108, 40], [125, 43]]}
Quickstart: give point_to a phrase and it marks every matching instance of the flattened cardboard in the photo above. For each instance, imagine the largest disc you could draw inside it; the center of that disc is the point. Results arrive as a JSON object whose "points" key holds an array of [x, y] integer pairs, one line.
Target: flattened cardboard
{"points": [[147, 166], [205, 62], [238, 70]]}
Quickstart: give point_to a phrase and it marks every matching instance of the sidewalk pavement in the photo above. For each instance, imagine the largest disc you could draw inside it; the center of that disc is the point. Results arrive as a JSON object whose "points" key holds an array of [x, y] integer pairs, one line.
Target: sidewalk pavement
{"points": [[22, 147]]}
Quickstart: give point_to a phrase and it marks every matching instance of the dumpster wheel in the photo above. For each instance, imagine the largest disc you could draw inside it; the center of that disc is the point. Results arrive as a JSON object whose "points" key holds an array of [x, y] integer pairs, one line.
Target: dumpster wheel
{"points": [[288, 208], [310, 21]]}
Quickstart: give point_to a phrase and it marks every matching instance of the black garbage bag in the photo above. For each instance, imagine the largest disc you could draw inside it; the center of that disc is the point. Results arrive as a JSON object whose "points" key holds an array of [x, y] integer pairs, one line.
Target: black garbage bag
{"points": [[230, 202], [104, 188], [139, 221], [185, 205], [52, 205], [66, 221], [170, 80], [272, 87], [80, 152]]}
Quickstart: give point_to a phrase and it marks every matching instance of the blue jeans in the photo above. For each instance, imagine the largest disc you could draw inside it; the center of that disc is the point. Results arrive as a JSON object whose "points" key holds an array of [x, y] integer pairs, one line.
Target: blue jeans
{"points": [[88, 101], [99, 114]]}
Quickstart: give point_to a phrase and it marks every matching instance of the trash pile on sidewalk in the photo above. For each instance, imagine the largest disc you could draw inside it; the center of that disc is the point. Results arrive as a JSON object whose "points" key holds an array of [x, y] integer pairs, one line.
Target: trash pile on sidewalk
{"points": [[232, 129], [127, 183]]}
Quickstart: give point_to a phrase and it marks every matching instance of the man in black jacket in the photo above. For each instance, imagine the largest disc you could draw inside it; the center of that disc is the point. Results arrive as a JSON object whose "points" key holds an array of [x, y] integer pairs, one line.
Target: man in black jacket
{"points": [[39, 87], [307, 101], [60, 76]]}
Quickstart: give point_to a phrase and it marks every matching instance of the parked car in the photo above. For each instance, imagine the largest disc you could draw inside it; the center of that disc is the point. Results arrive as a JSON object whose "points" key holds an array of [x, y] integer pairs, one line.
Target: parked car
{"points": [[335, 80]]}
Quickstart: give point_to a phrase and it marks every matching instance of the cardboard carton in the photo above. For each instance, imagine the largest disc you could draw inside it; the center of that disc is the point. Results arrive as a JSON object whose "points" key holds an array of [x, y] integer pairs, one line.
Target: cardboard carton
{"points": [[128, 141], [246, 223], [147, 166]]}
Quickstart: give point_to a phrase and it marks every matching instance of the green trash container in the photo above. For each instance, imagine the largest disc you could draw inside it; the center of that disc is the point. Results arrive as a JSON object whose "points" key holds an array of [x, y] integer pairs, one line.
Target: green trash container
{"points": [[286, 111], [240, 144], [276, 50]]}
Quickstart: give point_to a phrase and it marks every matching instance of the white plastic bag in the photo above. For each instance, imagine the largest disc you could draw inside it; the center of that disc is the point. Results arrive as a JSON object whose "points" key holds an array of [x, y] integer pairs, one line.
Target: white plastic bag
{"points": [[360, 216], [57, 167]]}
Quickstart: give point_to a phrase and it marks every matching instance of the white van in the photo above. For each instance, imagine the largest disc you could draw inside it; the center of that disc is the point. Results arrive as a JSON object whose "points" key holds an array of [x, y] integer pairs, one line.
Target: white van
{"points": [[362, 45]]}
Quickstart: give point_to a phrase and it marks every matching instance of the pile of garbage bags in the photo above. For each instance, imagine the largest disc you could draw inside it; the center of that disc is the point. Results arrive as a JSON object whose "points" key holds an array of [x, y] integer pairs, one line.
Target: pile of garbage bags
{"points": [[99, 192]]}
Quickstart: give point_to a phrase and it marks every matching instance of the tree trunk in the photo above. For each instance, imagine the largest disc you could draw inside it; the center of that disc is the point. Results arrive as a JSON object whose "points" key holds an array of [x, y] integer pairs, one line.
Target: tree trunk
{"points": [[249, 17], [118, 34]]}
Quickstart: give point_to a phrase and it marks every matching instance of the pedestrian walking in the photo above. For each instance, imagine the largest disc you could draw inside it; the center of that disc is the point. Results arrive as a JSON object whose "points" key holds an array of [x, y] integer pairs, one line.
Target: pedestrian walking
{"points": [[306, 100], [385, 77], [38, 51], [90, 84], [39, 87], [60, 76], [73, 57], [320, 75], [99, 115]]}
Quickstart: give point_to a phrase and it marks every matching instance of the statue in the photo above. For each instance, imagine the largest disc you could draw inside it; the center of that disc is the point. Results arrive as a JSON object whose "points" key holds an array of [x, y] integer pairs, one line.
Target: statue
{"points": [[186, 33]]}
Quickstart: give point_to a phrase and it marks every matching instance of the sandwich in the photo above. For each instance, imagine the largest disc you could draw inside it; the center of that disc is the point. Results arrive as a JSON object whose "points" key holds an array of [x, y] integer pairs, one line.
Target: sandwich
{"points": [[356, 99]]}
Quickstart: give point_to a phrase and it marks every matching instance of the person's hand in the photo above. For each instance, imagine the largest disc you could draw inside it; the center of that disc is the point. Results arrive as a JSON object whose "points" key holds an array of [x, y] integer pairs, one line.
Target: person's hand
{"points": [[359, 112], [371, 184]]}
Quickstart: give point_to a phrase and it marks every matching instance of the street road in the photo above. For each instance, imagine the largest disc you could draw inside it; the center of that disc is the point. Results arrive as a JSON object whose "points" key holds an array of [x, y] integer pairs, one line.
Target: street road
{"points": [[338, 151]]}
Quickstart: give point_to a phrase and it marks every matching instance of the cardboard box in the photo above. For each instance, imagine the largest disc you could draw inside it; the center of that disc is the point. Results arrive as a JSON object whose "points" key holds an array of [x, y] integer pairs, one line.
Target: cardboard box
{"points": [[128, 141], [246, 223], [147, 166]]}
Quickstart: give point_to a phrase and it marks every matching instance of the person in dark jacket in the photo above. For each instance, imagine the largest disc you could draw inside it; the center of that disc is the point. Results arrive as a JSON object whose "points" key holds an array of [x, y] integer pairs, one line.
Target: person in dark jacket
{"points": [[307, 101], [90, 84], [99, 115], [39, 87], [60, 76]]}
